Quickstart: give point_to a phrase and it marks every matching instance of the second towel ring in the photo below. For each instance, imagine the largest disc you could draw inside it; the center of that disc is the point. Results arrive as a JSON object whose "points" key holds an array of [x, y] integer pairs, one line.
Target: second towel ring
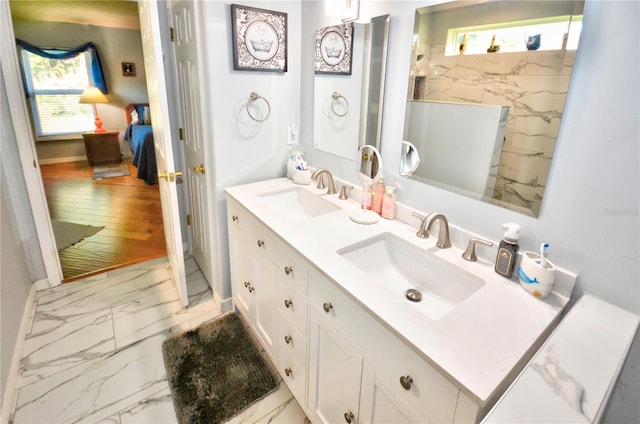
{"points": [[335, 99], [254, 97]]}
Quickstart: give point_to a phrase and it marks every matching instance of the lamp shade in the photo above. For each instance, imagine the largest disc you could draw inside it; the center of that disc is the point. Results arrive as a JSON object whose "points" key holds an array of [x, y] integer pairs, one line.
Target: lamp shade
{"points": [[93, 95]]}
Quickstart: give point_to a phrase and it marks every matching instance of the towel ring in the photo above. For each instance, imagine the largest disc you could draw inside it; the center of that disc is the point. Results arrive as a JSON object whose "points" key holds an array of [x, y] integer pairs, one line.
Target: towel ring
{"points": [[254, 97], [336, 100]]}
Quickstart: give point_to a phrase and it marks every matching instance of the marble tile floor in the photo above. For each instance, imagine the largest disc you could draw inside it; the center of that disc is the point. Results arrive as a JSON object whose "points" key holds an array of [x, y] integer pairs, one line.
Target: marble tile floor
{"points": [[93, 353]]}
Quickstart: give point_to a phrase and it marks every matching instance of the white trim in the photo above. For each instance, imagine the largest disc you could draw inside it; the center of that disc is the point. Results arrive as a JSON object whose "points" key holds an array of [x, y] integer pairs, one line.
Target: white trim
{"points": [[41, 285], [26, 147], [12, 378], [62, 160]]}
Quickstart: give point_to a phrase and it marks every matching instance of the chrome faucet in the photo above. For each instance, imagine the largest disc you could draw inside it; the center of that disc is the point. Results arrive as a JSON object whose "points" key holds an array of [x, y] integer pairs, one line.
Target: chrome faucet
{"points": [[425, 227], [443, 232], [318, 174]]}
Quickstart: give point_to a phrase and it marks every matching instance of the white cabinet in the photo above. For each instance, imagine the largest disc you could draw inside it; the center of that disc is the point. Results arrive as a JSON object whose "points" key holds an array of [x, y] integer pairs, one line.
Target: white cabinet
{"points": [[335, 370], [338, 360]]}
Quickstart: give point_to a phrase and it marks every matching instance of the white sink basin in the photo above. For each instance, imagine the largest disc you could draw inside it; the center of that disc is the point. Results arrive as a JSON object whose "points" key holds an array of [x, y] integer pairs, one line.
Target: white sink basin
{"points": [[395, 264], [297, 203]]}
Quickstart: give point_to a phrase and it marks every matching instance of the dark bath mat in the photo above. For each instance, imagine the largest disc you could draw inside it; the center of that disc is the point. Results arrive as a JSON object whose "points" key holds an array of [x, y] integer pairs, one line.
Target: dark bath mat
{"points": [[216, 371]]}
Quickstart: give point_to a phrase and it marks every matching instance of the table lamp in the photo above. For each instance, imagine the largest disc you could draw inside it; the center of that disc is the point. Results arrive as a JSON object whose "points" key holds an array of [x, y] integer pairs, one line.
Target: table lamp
{"points": [[93, 95]]}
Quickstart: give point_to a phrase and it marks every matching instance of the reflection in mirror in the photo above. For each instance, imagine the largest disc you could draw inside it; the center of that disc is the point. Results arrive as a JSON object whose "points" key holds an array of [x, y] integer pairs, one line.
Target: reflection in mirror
{"points": [[409, 159], [487, 87], [348, 107], [369, 169]]}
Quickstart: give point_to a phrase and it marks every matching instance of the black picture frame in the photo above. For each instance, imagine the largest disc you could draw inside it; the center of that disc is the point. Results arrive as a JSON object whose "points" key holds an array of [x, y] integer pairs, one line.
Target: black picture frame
{"points": [[259, 38], [334, 49]]}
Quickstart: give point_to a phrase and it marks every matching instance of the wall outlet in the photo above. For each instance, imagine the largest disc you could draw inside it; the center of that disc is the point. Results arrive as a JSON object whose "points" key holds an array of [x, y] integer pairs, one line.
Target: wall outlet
{"points": [[292, 134]]}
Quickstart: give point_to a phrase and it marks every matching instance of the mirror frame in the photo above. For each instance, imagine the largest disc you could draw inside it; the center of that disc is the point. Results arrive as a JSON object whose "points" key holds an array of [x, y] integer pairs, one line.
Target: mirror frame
{"points": [[518, 188]]}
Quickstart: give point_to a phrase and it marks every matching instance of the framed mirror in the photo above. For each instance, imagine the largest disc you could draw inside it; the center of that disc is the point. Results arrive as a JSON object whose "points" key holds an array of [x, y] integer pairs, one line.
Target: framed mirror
{"points": [[487, 87], [348, 104]]}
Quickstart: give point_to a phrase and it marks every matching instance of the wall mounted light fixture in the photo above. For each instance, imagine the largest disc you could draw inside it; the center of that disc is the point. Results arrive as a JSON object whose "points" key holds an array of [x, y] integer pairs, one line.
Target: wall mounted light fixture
{"points": [[348, 10]]}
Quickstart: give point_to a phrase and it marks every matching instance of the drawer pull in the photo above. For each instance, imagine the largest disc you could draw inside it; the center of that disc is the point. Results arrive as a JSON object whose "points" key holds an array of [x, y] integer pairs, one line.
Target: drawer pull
{"points": [[406, 381], [246, 284], [288, 302], [287, 339], [251, 289], [348, 417], [260, 243], [235, 218], [288, 371], [288, 270], [327, 306]]}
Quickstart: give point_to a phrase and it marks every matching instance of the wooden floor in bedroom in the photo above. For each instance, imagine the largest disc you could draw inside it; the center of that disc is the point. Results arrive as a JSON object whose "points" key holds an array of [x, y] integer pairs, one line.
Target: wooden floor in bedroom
{"points": [[128, 208]]}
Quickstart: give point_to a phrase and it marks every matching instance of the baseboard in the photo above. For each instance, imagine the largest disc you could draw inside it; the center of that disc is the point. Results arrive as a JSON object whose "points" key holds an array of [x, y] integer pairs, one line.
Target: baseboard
{"points": [[62, 160], [8, 397]]}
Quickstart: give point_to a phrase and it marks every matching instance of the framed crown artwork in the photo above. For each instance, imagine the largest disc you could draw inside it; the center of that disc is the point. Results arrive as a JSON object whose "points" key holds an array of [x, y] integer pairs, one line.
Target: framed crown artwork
{"points": [[259, 39], [333, 49]]}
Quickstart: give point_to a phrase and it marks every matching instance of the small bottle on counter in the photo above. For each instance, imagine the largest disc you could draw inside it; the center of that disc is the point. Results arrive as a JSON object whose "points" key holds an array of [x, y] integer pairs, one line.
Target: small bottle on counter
{"points": [[507, 250], [389, 203], [378, 194]]}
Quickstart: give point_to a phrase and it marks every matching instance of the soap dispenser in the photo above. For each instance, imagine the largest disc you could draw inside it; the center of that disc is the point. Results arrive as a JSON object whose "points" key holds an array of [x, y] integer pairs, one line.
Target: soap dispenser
{"points": [[506, 258]]}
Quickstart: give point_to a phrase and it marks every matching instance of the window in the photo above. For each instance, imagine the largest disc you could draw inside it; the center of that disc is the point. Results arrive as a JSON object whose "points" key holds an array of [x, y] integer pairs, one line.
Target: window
{"points": [[55, 86], [556, 33]]}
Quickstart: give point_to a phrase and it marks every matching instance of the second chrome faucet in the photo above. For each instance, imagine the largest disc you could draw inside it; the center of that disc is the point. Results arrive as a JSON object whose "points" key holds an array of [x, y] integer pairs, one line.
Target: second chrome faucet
{"points": [[443, 231]]}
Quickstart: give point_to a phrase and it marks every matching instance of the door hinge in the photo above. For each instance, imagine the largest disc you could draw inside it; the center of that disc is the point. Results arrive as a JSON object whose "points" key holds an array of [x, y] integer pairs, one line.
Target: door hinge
{"points": [[188, 219], [181, 133], [172, 34]]}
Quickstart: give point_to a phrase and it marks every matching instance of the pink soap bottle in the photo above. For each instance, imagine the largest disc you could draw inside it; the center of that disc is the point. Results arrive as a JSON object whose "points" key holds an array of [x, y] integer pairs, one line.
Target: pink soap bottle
{"points": [[378, 194], [389, 203]]}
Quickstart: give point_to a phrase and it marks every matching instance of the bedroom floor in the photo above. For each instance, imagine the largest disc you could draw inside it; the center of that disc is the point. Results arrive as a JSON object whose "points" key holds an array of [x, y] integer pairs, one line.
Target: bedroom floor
{"points": [[129, 210], [93, 352]]}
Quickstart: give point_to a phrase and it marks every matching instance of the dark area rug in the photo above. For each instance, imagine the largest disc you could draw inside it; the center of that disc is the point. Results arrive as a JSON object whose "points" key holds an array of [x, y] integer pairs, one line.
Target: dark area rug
{"points": [[216, 371]]}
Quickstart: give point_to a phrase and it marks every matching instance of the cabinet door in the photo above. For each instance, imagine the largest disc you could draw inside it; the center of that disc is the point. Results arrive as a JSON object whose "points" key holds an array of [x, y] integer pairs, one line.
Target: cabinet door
{"points": [[241, 263], [380, 402], [265, 303], [335, 369]]}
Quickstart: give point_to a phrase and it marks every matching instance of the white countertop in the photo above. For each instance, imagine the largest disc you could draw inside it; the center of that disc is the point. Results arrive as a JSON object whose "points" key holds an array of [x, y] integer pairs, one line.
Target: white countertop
{"points": [[572, 375], [477, 344]]}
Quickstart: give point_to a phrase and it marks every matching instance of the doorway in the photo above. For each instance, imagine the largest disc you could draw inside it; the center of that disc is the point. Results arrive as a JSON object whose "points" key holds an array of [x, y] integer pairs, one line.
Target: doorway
{"points": [[128, 209]]}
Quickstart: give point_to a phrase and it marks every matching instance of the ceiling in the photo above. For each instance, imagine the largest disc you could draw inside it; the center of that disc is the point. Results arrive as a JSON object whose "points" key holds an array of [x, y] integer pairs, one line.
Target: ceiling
{"points": [[106, 13]]}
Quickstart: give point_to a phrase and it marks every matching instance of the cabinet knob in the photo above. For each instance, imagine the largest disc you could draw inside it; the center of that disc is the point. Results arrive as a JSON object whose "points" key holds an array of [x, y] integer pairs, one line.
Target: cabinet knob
{"points": [[260, 243], [251, 289], [287, 339], [288, 270], [246, 284], [327, 306], [288, 371], [235, 218], [288, 302], [348, 417], [406, 381]]}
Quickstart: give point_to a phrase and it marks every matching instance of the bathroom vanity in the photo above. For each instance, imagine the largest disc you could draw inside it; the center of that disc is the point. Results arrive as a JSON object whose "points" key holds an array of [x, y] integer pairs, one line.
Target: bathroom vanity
{"points": [[343, 336]]}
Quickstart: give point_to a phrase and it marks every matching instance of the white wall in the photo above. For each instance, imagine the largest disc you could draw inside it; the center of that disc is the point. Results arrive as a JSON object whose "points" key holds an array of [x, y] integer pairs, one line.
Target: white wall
{"points": [[246, 151], [590, 211], [15, 276]]}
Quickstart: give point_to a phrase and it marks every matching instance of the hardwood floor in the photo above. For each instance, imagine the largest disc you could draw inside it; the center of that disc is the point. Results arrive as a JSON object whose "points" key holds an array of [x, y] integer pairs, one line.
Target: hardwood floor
{"points": [[129, 210]]}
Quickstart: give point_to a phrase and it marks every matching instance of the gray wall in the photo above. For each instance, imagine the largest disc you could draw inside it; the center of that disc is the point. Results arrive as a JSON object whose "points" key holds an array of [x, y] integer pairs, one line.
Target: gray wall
{"points": [[590, 211], [114, 46], [15, 278]]}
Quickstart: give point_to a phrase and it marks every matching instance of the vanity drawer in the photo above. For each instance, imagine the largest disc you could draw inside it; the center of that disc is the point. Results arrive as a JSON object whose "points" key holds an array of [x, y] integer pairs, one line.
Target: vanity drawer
{"points": [[292, 356], [235, 215], [430, 393], [292, 267], [344, 313], [292, 303]]}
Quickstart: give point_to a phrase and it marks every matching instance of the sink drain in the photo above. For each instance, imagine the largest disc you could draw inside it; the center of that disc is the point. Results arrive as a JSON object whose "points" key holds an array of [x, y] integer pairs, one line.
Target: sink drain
{"points": [[414, 295]]}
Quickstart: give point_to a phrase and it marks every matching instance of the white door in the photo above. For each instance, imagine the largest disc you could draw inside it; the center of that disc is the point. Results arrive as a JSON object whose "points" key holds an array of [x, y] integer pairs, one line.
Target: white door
{"points": [[159, 107], [198, 175]]}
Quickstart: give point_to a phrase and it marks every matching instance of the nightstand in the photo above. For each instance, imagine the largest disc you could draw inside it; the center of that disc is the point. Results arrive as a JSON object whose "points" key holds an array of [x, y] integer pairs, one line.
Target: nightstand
{"points": [[102, 147]]}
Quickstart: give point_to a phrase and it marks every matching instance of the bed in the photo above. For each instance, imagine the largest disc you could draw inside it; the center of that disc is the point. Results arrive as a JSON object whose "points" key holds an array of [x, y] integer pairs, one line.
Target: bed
{"points": [[140, 136]]}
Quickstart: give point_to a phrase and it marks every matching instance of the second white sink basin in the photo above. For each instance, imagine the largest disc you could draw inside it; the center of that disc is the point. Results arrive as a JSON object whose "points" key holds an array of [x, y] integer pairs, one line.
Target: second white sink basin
{"points": [[397, 265], [297, 203]]}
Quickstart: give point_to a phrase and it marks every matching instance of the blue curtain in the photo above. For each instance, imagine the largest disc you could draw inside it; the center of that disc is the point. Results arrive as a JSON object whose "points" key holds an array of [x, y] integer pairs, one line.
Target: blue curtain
{"points": [[96, 67]]}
